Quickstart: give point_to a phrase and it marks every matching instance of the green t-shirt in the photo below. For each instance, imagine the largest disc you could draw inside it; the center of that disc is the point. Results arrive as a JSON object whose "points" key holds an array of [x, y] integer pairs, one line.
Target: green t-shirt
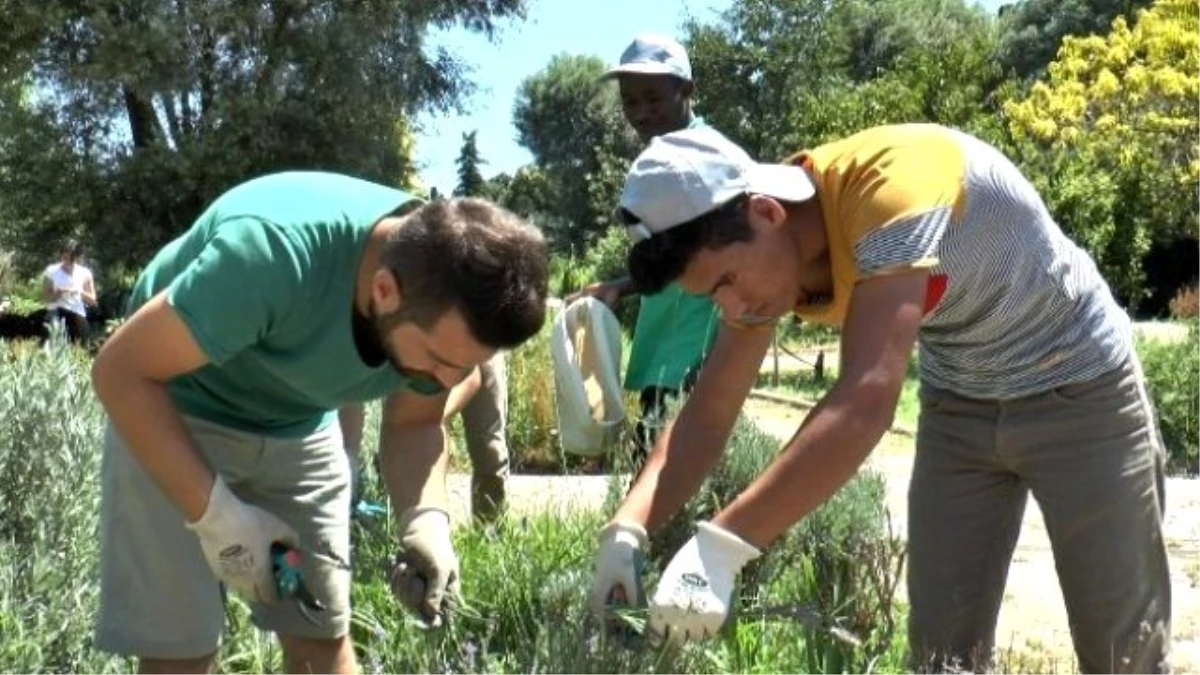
{"points": [[673, 334], [265, 280]]}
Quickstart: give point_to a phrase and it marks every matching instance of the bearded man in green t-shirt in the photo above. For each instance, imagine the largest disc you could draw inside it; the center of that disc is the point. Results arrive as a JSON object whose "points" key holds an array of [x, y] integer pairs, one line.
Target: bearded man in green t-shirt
{"points": [[292, 295]]}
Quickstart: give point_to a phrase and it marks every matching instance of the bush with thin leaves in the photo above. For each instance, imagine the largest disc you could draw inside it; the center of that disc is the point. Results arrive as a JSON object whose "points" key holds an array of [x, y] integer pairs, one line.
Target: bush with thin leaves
{"points": [[49, 466], [525, 581], [841, 564]]}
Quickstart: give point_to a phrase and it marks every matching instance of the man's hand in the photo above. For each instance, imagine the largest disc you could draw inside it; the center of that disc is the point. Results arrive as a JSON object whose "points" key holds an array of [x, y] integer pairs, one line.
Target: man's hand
{"points": [[693, 596], [425, 577], [607, 292], [236, 539], [618, 573]]}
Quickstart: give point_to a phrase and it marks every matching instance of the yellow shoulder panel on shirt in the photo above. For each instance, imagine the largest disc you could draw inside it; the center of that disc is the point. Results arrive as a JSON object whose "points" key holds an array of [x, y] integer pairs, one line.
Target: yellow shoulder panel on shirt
{"points": [[886, 174], [873, 179]]}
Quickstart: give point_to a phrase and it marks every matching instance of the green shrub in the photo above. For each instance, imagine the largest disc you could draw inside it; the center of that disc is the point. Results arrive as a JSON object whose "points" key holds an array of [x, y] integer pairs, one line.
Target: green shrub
{"points": [[1173, 380], [524, 583], [525, 588], [532, 417], [841, 561], [49, 465], [569, 274]]}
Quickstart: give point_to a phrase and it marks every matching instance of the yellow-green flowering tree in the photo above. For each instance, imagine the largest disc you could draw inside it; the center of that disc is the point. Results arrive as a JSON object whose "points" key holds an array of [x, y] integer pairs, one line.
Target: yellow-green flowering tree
{"points": [[1111, 137]]}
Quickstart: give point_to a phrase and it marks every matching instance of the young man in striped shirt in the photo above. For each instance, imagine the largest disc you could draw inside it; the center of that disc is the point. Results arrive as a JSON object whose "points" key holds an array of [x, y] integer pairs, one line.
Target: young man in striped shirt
{"points": [[906, 235]]}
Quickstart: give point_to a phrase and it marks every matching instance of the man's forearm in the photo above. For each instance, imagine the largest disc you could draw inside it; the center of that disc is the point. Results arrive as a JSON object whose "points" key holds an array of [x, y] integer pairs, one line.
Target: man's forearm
{"points": [[143, 413], [350, 419], [835, 439], [415, 464]]}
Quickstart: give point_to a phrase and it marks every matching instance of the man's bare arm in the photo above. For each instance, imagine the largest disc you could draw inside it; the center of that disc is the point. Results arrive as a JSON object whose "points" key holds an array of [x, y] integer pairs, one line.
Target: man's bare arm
{"points": [[877, 340], [413, 451], [350, 419], [89, 291], [690, 445], [130, 376]]}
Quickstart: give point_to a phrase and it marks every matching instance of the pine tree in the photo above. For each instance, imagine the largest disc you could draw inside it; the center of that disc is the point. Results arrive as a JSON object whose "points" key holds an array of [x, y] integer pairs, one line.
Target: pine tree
{"points": [[470, 180]]}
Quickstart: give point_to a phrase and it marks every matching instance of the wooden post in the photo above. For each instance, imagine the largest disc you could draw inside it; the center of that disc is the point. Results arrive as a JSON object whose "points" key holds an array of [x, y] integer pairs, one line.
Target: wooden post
{"points": [[775, 350]]}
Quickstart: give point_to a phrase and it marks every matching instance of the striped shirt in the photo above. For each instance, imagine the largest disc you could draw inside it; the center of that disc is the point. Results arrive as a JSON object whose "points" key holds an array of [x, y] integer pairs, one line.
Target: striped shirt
{"points": [[1014, 307]]}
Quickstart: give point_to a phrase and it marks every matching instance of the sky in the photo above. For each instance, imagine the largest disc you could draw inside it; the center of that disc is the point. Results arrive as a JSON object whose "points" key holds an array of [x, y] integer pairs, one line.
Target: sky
{"points": [[523, 48]]}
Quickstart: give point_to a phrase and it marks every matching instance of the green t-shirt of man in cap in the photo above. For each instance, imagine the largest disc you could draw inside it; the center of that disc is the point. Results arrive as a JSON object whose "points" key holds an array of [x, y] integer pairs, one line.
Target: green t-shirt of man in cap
{"points": [[675, 329]]}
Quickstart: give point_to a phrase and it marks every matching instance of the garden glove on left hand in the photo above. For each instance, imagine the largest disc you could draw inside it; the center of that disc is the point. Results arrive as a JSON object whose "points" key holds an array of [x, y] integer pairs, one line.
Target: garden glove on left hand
{"points": [[425, 578], [692, 600], [617, 578]]}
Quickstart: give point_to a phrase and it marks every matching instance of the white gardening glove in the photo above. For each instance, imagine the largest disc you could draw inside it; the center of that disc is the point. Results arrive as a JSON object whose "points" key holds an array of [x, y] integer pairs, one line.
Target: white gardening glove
{"points": [[618, 568], [425, 575], [236, 539], [692, 599]]}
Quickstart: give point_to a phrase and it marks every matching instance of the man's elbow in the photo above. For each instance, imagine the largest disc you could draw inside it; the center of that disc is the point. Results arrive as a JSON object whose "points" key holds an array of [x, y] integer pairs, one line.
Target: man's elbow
{"points": [[102, 376], [108, 376], [875, 407]]}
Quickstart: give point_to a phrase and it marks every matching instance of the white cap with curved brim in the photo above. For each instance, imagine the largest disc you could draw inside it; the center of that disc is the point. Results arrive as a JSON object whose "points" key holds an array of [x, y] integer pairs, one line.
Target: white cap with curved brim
{"points": [[683, 175], [653, 54]]}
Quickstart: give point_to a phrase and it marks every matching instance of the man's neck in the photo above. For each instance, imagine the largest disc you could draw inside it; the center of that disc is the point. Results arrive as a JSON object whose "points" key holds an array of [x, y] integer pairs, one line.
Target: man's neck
{"points": [[370, 263]]}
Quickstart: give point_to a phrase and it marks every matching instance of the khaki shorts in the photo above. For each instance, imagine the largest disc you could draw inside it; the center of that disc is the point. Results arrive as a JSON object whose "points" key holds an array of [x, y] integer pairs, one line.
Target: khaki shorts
{"points": [[158, 597]]}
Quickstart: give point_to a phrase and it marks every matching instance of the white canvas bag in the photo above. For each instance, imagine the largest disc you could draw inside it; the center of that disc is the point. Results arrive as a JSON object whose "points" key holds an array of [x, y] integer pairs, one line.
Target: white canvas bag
{"points": [[585, 343]]}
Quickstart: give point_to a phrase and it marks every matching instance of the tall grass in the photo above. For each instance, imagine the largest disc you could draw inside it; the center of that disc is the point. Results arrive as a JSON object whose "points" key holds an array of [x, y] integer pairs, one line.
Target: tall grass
{"points": [[532, 419]]}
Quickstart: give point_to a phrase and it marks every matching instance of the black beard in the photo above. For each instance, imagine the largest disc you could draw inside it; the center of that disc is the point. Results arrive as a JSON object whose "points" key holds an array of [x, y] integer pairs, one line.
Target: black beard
{"points": [[367, 340]]}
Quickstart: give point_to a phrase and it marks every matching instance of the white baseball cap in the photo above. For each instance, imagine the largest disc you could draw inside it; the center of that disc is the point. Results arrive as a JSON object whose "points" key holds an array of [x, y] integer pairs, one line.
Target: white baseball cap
{"points": [[683, 175], [654, 54]]}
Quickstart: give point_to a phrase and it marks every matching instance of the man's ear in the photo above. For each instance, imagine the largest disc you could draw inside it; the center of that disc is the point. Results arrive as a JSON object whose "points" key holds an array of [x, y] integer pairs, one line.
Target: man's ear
{"points": [[687, 88], [768, 209], [386, 291]]}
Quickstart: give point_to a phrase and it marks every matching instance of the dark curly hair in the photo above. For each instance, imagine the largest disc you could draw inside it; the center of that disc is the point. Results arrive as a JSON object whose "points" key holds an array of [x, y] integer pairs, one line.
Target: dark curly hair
{"points": [[656, 262], [478, 257]]}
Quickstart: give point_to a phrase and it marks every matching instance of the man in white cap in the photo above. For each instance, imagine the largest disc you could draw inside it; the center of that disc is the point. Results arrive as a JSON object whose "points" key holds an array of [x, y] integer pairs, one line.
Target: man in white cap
{"points": [[905, 235], [674, 330]]}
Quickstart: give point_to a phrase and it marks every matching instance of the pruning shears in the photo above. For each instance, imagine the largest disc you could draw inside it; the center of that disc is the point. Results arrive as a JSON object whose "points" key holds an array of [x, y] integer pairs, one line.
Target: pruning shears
{"points": [[366, 509], [289, 580]]}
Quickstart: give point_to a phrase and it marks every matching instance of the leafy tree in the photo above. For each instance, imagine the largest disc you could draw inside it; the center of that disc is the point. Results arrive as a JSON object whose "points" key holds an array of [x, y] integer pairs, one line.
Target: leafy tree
{"points": [[1033, 30], [1112, 131], [872, 34], [470, 180], [752, 65], [573, 125], [146, 109], [778, 75]]}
